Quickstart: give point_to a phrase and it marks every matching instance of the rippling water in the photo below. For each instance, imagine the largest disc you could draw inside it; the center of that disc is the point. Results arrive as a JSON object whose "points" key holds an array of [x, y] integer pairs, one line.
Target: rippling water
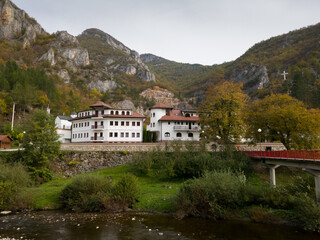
{"points": [[137, 226]]}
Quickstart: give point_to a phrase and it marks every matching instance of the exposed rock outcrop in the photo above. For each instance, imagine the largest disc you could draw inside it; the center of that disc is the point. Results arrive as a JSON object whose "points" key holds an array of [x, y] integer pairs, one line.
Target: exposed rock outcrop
{"points": [[127, 104], [103, 85], [124, 59], [15, 23], [162, 95], [63, 73], [79, 57], [68, 47], [253, 77], [49, 56]]}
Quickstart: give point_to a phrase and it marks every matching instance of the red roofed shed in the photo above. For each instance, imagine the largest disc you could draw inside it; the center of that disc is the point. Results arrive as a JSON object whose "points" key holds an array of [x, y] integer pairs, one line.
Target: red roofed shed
{"points": [[5, 142]]}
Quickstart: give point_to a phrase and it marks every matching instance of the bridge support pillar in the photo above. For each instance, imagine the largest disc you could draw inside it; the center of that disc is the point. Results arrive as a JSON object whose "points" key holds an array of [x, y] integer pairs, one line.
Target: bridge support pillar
{"points": [[316, 174], [272, 170]]}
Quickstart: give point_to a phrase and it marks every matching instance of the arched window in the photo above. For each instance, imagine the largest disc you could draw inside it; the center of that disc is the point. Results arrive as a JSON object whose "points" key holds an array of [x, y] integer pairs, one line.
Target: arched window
{"points": [[123, 113], [112, 113], [179, 134], [190, 135], [167, 134], [117, 112], [187, 115], [128, 113]]}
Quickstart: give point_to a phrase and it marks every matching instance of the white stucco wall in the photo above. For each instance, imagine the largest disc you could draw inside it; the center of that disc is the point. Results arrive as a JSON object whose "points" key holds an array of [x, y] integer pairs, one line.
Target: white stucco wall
{"points": [[119, 133]]}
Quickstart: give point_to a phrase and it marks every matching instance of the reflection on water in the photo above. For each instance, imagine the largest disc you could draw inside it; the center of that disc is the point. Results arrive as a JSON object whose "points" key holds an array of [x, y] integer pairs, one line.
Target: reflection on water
{"points": [[137, 226]]}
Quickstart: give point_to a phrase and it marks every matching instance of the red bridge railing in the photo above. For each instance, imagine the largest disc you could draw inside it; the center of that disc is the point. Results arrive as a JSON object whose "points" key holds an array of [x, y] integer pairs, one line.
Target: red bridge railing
{"points": [[296, 154]]}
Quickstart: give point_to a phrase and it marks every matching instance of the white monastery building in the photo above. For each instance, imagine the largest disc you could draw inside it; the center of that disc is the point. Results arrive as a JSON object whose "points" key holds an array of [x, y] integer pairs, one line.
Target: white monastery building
{"points": [[63, 126], [170, 124], [103, 123]]}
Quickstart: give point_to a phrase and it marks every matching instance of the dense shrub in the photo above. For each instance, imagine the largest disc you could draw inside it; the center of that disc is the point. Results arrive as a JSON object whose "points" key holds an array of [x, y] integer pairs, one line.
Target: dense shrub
{"points": [[90, 193], [15, 173], [306, 212], [41, 175], [126, 190], [85, 192], [267, 196], [13, 178], [7, 190], [211, 194], [188, 164]]}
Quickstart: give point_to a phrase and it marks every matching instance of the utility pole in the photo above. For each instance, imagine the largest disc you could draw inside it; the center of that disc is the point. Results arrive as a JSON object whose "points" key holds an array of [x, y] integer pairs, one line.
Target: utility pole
{"points": [[13, 109]]}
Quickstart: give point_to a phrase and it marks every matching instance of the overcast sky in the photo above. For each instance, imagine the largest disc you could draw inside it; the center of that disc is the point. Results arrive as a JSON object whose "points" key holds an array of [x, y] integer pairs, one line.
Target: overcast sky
{"points": [[190, 31]]}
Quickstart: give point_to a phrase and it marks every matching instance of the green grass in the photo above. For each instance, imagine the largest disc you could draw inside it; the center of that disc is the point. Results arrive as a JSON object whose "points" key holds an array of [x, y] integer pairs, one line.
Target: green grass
{"points": [[153, 196]]}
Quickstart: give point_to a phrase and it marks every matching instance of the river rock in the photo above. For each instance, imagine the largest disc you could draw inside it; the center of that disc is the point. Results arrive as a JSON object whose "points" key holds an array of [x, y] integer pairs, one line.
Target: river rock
{"points": [[5, 212]]}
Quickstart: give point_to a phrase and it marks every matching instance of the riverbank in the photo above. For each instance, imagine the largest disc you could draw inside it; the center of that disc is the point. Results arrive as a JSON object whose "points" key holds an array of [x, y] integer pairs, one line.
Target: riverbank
{"points": [[155, 194], [163, 176], [139, 226]]}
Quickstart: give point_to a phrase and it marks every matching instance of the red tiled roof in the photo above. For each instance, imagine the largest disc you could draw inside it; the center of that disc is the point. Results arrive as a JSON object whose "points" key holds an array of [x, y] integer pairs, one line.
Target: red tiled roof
{"points": [[176, 115], [161, 105], [101, 104], [5, 136], [179, 118]]}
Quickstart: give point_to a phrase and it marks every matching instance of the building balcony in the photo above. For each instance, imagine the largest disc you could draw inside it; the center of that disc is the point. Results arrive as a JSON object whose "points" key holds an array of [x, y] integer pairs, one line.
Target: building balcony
{"points": [[97, 116], [186, 128], [98, 127], [97, 138]]}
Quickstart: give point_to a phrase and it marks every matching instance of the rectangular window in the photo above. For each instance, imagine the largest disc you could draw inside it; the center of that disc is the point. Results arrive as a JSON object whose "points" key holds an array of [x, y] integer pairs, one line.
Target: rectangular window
{"points": [[78, 135], [138, 124], [116, 123], [122, 134], [101, 134], [127, 134], [168, 123], [133, 124], [138, 135], [115, 134], [122, 123], [111, 123], [110, 134], [133, 135], [127, 123], [101, 123]]}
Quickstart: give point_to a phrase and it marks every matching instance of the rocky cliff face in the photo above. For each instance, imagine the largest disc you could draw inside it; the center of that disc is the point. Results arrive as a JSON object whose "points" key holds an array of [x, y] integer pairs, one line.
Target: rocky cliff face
{"points": [[16, 24], [153, 59], [114, 56], [162, 95], [253, 77]]}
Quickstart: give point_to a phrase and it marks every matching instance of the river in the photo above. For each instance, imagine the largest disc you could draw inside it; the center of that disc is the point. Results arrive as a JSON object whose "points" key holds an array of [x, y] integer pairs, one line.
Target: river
{"points": [[136, 226]]}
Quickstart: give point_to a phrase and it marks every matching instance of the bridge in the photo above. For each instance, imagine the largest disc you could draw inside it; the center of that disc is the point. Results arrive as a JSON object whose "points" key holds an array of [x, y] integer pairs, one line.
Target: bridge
{"points": [[309, 161]]}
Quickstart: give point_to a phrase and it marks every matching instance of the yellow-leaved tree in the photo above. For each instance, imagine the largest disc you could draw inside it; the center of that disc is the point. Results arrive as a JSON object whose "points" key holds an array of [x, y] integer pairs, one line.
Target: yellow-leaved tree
{"points": [[285, 119], [220, 113]]}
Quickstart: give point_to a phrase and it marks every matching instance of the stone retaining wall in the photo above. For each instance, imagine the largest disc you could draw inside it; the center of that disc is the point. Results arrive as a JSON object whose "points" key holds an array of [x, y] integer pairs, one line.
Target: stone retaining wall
{"points": [[113, 147], [75, 162]]}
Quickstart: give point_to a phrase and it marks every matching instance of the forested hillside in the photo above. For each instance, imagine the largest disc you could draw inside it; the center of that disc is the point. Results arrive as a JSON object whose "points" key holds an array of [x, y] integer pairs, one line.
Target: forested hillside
{"points": [[259, 69], [297, 53], [181, 78]]}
